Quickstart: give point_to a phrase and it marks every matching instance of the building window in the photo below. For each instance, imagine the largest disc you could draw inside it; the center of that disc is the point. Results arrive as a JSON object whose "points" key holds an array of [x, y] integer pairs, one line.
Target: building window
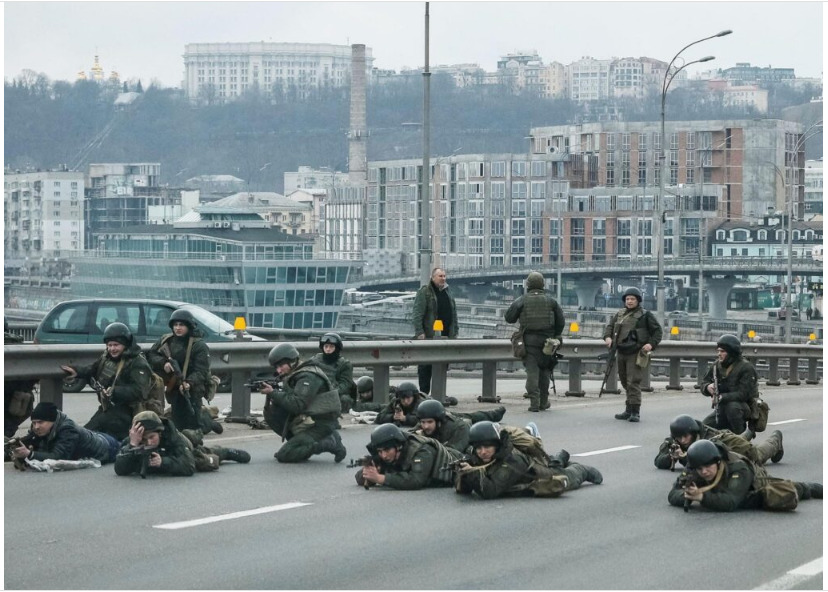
{"points": [[518, 245], [519, 168], [496, 245], [518, 190], [498, 190], [518, 227], [499, 169], [538, 189], [538, 168], [599, 226], [623, 246], [518, 208]]}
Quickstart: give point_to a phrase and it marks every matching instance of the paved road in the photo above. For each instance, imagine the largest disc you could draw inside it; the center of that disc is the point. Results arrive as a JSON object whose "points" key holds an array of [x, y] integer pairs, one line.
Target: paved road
{"points": [[318, 530]]}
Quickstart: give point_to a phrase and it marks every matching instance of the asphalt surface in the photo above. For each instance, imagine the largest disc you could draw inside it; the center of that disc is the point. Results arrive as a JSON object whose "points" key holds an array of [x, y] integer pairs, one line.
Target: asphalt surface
{"points": [[89, 529]]}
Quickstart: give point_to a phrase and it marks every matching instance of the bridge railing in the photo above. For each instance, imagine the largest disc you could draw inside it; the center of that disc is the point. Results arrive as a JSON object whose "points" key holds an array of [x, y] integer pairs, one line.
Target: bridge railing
{"points": [[241, 359]]}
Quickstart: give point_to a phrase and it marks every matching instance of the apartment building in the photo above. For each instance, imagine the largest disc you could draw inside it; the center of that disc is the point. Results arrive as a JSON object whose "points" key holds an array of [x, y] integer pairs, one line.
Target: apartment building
{"points": [[220, 72]]}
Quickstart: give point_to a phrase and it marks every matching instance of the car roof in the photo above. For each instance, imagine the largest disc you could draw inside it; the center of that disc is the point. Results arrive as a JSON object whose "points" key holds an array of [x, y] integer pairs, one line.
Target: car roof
{"points": [[175, 303]]}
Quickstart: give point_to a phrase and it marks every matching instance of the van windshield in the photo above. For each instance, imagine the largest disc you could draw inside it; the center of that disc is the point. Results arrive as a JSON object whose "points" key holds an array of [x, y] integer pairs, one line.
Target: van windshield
{"points": [[208, 320]]}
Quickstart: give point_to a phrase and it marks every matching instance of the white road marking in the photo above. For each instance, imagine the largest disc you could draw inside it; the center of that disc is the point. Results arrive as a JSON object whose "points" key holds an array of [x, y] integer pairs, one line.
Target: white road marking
{"points": [[616, 449], [785, 421], [231, 516], [794, 577]]}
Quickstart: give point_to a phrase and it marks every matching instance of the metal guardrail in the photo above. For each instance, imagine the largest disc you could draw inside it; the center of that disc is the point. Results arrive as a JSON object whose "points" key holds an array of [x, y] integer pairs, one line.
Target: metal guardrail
{"points": [[241, 359]]}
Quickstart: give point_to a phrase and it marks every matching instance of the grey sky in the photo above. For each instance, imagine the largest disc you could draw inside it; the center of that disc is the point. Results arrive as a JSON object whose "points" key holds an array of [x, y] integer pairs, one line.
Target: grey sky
{"points": [[146, 39]]}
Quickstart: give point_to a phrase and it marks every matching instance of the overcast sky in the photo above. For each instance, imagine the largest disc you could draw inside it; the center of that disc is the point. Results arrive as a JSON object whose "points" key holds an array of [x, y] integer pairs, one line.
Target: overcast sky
{"points": [[146, 39]]}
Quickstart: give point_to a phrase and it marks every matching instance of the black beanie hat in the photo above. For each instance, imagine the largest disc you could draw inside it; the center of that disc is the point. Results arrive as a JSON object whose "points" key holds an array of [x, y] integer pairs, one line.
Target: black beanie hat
{"points": [[45, 412]]}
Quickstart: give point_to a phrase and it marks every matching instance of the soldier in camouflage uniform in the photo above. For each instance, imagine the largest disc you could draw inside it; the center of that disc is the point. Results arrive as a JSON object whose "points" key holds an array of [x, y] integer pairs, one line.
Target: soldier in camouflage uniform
{"points": [[634, 332], [736, 382], [126, 377], [401, 410], [684, 430], [339, 370], [365, 396], [403, 460], [723, 481], [451, 429], [498, 468], [305, 412], [541, 318]]}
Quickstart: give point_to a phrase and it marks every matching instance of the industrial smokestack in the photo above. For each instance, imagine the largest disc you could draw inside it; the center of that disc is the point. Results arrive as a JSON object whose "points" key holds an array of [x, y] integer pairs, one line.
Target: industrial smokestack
{"points": [[358, 134]]}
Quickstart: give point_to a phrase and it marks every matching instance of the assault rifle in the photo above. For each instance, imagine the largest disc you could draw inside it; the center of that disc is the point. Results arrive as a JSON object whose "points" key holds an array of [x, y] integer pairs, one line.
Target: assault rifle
{"points": [[176, 381], [13, 443], [610, 357], [366, 461], [144, 452], [103, 396], [454, 465], [716, 398], [675, 450], [687, 479], [256, 385]]}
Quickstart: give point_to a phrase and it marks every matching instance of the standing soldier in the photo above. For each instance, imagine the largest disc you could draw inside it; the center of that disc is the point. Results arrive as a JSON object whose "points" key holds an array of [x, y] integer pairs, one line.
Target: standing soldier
{"points": [[731, 384], [633, 333], [182, 359], [541, 319], [433, 301], [125, 380], [338, 369], [304, 412]]}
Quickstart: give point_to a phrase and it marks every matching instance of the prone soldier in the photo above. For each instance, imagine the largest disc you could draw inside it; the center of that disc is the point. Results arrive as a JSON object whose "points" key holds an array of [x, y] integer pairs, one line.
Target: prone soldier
{"points": [[450, 429], [401, 410], [365, 396]]}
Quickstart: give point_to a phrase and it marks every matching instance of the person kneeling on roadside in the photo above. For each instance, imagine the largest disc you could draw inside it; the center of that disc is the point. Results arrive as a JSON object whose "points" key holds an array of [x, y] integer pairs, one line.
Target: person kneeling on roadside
{"points": [[508, 461], [53, 435]]}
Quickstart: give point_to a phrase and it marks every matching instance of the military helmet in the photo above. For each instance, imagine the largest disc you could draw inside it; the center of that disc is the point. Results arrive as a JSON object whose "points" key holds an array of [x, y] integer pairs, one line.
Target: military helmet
{"points": [[632, 292], [118, 332], [702, 453], [731, 344], [365, 384], [484, 433], [150, 421], [431, 409], [386, 435], [683, 425], [331, 338], [407, 389], [181, 315], [281, 353], [534, 281]]}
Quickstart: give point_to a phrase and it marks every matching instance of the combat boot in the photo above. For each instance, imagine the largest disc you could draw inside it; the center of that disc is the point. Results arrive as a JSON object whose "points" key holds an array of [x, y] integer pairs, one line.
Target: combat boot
{"points": [[625, 415], [593, 475], [234, 454], [778, 456], [816, 490], [634, 413], [498, 413], [451, 401], [560, 460], [216, 427], [339, 450]]}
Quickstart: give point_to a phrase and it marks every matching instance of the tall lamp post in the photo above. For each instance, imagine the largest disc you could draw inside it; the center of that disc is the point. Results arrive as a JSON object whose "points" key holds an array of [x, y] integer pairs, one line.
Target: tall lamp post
{"points": [[425, 245], [669, 76]]}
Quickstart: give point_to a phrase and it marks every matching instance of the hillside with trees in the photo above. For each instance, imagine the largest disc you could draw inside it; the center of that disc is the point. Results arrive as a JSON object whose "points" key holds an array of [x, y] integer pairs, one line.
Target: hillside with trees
{"points": [[49, 123]]}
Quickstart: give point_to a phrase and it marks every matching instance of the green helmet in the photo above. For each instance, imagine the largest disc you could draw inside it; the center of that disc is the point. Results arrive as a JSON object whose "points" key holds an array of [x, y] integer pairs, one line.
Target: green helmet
{"points": [[484, 433], [431, 409], [118, 332], [331, 338], [365, 384], [534, 281], [702, 453], [683, 425], [731, 344], [386, 435], [181, 315], [632, 292], [407, 389], [281, 353]]}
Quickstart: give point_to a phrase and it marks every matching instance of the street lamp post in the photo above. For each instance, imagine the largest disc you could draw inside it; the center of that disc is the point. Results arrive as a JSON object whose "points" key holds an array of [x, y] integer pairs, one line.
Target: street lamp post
{"points": [[669, 76], [425, 245]]}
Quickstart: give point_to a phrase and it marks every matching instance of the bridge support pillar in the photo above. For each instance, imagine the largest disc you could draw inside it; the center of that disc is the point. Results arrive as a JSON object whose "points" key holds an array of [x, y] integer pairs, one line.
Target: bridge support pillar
{"points": [[586, 289], [718, 290]]}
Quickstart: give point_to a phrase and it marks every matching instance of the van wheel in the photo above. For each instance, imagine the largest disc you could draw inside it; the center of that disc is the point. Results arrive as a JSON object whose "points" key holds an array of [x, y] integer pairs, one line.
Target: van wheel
{"points": [[74, 385]]}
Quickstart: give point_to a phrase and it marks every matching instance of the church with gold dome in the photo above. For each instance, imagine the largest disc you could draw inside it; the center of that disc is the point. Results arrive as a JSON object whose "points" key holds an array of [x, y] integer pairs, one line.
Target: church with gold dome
{"points": [[96, 74]]}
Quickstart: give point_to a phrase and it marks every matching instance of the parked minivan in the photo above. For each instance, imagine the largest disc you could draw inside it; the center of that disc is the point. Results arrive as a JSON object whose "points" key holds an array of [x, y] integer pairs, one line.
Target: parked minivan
{"points": [[84, 321]]}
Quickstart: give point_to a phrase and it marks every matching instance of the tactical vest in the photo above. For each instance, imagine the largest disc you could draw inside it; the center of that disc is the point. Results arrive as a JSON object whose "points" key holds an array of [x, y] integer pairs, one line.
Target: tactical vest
{"points": [[440, 471], [320, 403], [536, 314]]}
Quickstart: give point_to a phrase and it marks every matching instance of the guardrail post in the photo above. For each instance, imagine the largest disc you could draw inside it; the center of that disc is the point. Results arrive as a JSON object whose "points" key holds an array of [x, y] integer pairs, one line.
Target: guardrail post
{"points": [[575, 389], [439, 376], [612, 382], [701, 370], [240, 396], [773, 372], [51, 391], [645, 383], [675, 375], [489, 387], [793, 371], [813, 378], [381, 383]]}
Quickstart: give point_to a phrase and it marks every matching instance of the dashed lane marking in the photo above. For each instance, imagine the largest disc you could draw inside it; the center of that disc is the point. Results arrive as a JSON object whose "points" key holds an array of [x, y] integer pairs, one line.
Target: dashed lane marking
{"points": [[785, 421], [794, 577], [231, 516], [606, 450]]}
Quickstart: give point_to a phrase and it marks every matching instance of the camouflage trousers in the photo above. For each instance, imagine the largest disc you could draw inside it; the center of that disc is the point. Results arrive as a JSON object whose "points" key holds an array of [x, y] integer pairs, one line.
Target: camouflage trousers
{"points": [[630, 376]]}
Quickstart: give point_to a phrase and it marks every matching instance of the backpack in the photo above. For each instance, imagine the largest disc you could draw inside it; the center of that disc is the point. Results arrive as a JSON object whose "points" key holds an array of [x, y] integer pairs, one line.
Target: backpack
{"points": [[778, 494], [546, 484], [154, 398], [527, 444], [759, 412]]}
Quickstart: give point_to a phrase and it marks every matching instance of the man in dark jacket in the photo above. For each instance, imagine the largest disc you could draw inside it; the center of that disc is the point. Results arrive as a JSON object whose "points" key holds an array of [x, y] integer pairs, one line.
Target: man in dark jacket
{"points": [[403, 460], [450, 429], [182, 359], [54, 436], [684, 430], [402, 409], [155, 446], [305, 411], [731, 382], [498, 468], [433, 302], [125, 378], [634, 333], [337, 368], [724, 481], [541, 318]]}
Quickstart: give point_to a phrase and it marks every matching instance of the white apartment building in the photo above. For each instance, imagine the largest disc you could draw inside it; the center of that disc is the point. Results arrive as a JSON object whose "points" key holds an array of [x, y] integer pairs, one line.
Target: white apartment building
{"points": [[220, 72], [43, 214], [813, 188], [589, 79]]}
